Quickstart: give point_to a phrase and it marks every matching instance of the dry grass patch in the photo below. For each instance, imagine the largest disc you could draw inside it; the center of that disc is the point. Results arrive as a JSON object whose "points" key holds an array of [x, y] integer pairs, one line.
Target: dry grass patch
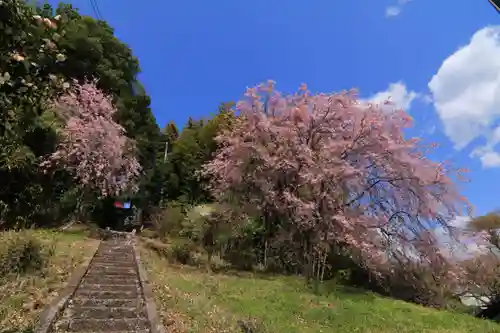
{"points": [[192, 300], [23, 293]]}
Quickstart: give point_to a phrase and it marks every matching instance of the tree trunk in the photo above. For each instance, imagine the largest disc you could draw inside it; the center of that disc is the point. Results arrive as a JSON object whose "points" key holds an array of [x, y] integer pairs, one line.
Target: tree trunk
{"points": [[209, 260], [323, 266], [265, 253]]}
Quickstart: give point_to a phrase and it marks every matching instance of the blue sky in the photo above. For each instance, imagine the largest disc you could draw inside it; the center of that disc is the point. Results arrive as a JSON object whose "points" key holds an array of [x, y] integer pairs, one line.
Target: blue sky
{"points": [[196, 54]]}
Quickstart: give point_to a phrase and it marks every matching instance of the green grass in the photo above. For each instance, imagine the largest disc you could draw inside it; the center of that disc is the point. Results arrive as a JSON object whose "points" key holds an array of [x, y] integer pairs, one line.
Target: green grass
{"points": [[22, 297], [192, 300]]}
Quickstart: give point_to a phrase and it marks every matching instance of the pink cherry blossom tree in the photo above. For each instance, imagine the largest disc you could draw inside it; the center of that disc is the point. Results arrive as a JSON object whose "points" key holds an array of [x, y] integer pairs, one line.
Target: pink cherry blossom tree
{"points": [[334, 170], [93, 146]]}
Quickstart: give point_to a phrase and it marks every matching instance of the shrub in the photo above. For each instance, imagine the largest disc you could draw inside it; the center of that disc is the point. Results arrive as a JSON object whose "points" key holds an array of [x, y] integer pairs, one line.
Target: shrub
{"points": [[162, 249], [20, 253], [168, 220], [250, 326], [149, 233], [419, 284], [240, 254], [183, 252], [90, 230], [342, 276]]}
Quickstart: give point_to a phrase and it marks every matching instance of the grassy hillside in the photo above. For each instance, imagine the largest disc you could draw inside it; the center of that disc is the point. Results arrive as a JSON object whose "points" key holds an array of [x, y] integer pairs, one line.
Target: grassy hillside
{"points": [[40, 271], [192, 300]]}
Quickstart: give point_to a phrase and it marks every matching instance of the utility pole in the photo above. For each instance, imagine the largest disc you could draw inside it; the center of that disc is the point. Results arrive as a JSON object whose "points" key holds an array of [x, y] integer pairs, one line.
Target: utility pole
{"points": [[162, 191], [166, 149]]}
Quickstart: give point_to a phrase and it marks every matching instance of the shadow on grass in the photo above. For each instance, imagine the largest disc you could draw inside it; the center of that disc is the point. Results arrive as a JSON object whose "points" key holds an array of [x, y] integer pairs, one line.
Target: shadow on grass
{"points": [[327, 288], [17, 330], [299, 284], [230, 271], [251, 326]]}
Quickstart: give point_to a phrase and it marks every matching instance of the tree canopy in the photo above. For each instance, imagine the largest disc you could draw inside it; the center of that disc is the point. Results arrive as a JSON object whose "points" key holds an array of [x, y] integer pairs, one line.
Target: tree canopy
{"points": [[44, 52]]}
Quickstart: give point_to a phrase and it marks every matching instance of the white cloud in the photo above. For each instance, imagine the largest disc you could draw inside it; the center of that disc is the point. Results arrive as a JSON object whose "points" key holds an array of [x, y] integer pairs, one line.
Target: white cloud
{"points": [[395, 10], [462, 245], [466, 94], [431, 129], [398, 94], [460, 223], [487, 154], [392, 11], [427, 99], [488, 158]]}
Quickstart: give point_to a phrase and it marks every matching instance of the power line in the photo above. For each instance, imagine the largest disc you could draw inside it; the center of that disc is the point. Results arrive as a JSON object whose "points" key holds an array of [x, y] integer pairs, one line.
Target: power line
{"points": [[495, 4], [95, 8]]}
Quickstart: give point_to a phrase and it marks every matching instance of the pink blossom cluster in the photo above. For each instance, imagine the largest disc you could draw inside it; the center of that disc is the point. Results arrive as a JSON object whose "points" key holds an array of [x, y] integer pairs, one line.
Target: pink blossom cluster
{"points": [[93, 146], [336, 167]]}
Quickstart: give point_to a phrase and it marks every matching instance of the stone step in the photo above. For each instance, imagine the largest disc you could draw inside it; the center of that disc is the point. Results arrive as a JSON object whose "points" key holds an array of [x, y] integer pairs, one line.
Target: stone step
{"points": [[106, 279], [109, 287], [106, 302], [135, 331], [112, 265], [112, 251], [111, 274], [103, 280], [106, 294], [116, 248], [112, 269], [107, 274], [124, 235], [103, 271], [120, 255], [118, 241], [114, 262], [115, 243], [106, 325], [106, 312], [115, 258], [124, 243], [109, 298]]}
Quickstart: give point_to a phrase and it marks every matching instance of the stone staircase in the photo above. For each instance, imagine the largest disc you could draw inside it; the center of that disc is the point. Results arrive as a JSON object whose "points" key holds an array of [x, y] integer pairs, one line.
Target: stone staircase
{"points": [[109, 298]]}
